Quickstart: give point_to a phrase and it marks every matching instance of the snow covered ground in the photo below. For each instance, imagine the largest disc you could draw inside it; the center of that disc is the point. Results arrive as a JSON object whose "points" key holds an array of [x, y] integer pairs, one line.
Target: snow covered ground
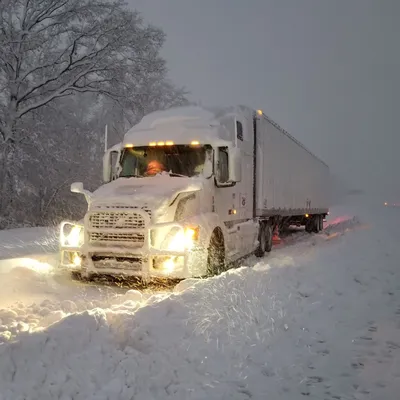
{"points": [[318, 318]]}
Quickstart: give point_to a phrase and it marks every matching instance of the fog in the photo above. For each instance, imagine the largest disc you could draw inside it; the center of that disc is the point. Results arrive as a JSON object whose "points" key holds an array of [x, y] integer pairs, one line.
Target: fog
{"points": [[327, 71]]}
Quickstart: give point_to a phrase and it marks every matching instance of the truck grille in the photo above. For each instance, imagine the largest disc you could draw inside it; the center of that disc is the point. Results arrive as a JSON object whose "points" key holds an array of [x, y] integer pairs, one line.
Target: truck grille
{"points": [[107, 225], [117, 237], [116, 220]]}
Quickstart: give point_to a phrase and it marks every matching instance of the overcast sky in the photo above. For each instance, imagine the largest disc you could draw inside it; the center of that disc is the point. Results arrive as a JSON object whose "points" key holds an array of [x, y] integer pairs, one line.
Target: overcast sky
{"points": [[326, 70]]}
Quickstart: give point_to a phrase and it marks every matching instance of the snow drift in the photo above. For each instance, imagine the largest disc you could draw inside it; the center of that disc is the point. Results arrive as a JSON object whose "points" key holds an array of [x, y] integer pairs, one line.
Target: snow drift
{"points": [[318, 318]]}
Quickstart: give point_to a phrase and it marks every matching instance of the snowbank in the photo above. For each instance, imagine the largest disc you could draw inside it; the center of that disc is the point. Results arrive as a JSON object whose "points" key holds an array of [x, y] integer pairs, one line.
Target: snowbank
{"points": [[319, 318]]}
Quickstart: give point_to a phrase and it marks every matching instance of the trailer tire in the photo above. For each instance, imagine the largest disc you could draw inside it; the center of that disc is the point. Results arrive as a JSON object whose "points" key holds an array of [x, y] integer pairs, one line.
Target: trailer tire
{"points": [[264, 239], [269, 234], [216, 254], [316, 223], [321, 223], [309, 225]]}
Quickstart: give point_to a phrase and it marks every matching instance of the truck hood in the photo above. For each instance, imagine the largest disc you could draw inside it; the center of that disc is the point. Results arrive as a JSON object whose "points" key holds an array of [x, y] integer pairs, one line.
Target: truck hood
{"points": [[153, 191]]}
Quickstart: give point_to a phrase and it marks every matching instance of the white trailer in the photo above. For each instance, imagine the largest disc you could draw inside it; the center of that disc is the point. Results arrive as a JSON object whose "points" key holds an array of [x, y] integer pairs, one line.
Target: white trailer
{"points": [[191, 190]]}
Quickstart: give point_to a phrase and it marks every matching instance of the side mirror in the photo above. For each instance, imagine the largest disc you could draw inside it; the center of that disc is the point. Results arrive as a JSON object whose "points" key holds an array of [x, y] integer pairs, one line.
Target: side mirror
{"points": [[208, 169], [107, 167], [77, 187], [110, 163], [228, 167], [235, 165]]}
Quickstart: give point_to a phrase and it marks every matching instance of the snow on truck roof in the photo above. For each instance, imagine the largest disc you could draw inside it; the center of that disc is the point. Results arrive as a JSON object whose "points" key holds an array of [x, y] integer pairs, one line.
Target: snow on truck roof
{"points": [[177, 115], [182, 123]]}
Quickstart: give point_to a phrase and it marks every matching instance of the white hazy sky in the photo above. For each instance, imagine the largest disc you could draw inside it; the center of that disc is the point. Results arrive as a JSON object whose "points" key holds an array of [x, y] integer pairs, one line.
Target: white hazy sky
{"points": [[326, 70]]}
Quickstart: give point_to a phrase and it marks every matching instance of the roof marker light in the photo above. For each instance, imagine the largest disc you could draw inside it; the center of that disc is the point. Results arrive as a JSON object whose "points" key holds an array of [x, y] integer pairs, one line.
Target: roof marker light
{"points": [[259, 112], [129, 146], [169, 143], [160, 144], [195, 143], [152, 144]]}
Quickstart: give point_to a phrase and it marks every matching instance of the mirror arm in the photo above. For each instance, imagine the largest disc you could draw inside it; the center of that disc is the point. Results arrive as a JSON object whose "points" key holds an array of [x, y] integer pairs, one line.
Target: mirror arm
{"points": [[223, 185]]}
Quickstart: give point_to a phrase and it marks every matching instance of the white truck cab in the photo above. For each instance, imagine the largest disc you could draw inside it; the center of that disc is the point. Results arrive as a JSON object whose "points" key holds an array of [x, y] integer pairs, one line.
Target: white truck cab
{"points": [[177, 200]]}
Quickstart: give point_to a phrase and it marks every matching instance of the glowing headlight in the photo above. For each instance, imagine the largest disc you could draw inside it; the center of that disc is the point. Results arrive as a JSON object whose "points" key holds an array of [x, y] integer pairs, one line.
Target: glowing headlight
{"points": [[72, 237], [169, 265], [183, 239], [77, 260]]}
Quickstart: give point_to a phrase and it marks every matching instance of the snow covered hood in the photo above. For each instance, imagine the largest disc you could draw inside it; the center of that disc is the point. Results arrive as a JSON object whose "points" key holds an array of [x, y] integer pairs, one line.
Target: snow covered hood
{"points": [[152, 191]]}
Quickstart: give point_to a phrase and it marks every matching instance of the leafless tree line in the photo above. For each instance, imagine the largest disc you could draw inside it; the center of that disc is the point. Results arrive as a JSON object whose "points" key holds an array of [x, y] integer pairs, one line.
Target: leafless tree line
{"points": [[67, 68]]}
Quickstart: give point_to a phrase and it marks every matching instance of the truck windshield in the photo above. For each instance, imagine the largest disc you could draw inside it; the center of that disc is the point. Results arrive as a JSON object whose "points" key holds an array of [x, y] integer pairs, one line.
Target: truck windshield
{"points": [[178, 160]]}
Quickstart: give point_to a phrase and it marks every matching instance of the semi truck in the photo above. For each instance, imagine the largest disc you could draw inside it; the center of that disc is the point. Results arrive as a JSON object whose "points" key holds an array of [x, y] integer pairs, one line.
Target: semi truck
{"points": [[190, 191]]}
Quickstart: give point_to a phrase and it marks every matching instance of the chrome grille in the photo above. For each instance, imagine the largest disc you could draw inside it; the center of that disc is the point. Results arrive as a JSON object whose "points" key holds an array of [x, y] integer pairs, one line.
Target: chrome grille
{"points": [[117, 225], [116, 220], [116, 237]]}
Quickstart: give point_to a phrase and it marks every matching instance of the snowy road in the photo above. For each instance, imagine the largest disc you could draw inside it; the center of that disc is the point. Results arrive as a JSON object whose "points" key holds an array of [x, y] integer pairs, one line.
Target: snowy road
{"points": [[319, 318]]}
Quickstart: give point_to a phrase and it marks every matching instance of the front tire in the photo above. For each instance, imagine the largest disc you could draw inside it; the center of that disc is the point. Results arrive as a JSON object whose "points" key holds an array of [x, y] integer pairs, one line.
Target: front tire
{"points": [[216, 255]]}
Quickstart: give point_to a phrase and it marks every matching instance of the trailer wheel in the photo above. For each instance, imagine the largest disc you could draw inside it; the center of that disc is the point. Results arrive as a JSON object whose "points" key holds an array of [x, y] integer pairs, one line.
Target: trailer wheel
{"points": [[269, 234], [264, 239], [216, 254], [310, 225], [321, 222], [316, 223]]}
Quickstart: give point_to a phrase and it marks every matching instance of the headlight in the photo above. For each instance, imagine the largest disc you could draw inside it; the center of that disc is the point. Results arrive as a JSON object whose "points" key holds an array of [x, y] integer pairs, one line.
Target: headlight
{"points": [[73, 238], [71, 235], [181, 240], [76, 260]]}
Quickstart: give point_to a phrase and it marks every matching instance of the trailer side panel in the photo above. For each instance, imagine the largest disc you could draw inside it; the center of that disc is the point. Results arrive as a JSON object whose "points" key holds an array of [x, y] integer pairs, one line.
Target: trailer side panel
{"points": [[290, 180]]}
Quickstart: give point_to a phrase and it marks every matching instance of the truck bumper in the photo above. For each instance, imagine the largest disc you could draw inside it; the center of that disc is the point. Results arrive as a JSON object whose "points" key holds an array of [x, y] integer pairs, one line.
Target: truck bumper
{"points": [[145, 262]]}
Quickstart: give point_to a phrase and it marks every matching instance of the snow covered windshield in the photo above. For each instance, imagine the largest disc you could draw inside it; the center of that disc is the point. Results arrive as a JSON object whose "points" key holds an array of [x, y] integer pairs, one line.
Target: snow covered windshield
{"points": [[149, 161]]}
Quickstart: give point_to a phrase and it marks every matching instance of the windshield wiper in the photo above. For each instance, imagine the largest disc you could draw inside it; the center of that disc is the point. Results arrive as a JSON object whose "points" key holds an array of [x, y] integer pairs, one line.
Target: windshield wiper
{"points": [[177, 175], [131, 176]]}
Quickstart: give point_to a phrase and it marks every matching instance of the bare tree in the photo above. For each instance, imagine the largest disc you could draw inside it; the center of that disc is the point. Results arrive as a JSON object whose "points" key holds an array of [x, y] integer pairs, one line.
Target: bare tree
{"points": [[50, 49], [53, 48], [153, 91]]}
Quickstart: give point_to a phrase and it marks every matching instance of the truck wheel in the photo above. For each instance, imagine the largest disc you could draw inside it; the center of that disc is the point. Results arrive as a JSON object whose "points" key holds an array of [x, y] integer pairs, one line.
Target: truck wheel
{"points": [[316, 223], [216, 255], [265, 240], [321, 222], [310, 225], [269, 234]]}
